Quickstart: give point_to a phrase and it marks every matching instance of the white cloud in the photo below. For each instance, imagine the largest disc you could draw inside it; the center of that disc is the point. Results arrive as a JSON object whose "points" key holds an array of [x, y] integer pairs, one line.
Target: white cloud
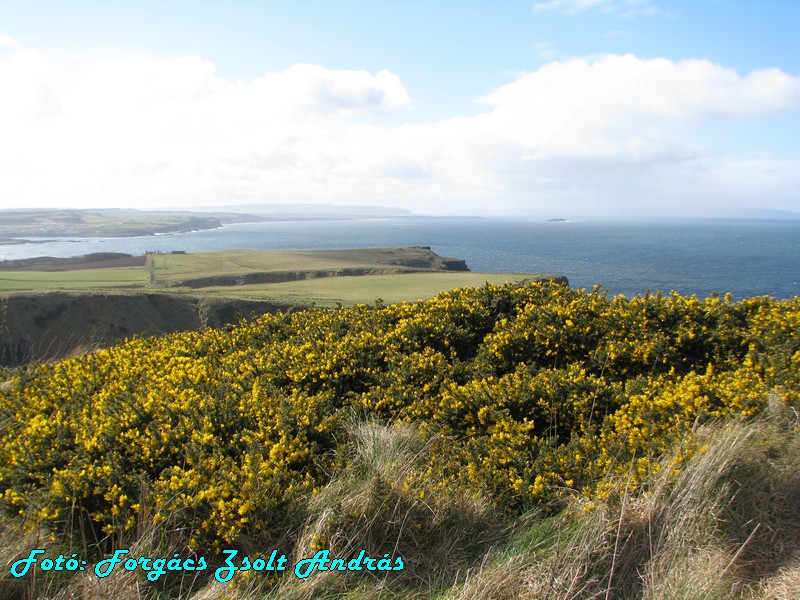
{"points": [[8, 41], [623, 104], [96, 127], [573, 136], [622, 8]]}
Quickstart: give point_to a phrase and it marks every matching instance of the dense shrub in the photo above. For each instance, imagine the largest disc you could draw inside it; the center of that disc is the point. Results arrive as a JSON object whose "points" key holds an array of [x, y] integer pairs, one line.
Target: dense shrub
{"points": [[529, 394]]}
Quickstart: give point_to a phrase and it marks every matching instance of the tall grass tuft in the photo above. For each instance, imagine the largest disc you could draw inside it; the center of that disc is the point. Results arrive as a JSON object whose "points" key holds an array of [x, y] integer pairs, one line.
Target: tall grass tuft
{"points": [[726, 526], [385, 502]]}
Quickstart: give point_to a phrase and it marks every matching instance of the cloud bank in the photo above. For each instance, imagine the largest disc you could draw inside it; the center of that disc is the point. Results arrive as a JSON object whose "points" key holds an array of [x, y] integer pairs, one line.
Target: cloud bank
{"points": [[616, 134]]}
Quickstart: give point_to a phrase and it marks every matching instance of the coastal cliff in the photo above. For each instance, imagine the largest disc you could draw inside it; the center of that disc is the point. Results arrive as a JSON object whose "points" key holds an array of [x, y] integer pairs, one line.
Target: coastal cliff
{"points": [[40, 327]]}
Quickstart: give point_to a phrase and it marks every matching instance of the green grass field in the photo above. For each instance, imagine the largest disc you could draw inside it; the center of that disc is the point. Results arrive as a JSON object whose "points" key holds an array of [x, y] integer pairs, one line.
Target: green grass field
{"points": [[397, 279], [171, 268], [79, 279], [347, 291]]}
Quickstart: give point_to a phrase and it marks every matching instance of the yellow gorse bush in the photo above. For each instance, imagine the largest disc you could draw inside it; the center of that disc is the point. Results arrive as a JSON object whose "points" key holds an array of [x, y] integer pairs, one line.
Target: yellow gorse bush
{"points": [[533, 392]]}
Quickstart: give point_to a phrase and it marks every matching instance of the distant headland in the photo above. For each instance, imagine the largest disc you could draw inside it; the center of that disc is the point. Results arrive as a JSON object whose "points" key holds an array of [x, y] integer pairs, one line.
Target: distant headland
{"points": [[21, 226]]}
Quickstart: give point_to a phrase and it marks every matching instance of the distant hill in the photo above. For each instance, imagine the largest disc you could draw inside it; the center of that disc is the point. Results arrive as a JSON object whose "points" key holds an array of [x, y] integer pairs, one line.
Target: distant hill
{"points": [[19, 225], [48, 223], [95, 260], [311, 211]]}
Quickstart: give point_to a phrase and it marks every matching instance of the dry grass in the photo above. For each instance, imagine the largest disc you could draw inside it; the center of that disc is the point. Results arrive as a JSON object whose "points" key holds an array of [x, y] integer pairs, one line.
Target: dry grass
{"points": [[728, 526], [382, 503]]}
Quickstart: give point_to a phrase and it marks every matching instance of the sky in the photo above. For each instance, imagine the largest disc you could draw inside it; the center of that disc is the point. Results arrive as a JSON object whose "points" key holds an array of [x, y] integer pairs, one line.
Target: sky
{"points": [[553, 108]]}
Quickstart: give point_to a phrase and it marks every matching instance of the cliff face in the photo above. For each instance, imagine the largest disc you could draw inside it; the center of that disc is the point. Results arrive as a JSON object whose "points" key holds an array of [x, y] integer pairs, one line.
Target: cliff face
{"points": [[56, 325]]}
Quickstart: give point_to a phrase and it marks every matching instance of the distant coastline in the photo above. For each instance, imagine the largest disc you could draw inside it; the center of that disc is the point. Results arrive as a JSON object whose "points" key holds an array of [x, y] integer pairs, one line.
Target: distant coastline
{"points": [[746, 257], [42, 225]]}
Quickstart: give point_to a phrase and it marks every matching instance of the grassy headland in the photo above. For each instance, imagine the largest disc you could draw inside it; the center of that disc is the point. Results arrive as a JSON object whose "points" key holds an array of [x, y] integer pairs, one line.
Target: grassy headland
{"points": [[256, 273], [54, 307], [21, 225]]}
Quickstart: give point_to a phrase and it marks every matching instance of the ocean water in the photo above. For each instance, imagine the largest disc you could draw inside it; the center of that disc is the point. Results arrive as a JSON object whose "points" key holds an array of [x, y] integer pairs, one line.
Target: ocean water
{"points": [[741, 257]]}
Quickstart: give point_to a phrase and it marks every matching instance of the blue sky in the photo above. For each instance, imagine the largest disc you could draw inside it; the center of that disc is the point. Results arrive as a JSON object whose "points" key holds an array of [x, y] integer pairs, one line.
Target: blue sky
{"points": [[541, 108]]}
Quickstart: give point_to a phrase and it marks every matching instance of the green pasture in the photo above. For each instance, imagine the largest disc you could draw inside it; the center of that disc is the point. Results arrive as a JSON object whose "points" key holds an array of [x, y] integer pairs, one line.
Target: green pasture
{"points": [[179, 267], [78, 279], [166, 272], [347, 291]]}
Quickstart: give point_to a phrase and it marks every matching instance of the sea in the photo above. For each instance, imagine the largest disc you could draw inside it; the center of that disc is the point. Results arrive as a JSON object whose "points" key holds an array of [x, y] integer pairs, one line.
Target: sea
{"points": [[633, 257]]}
